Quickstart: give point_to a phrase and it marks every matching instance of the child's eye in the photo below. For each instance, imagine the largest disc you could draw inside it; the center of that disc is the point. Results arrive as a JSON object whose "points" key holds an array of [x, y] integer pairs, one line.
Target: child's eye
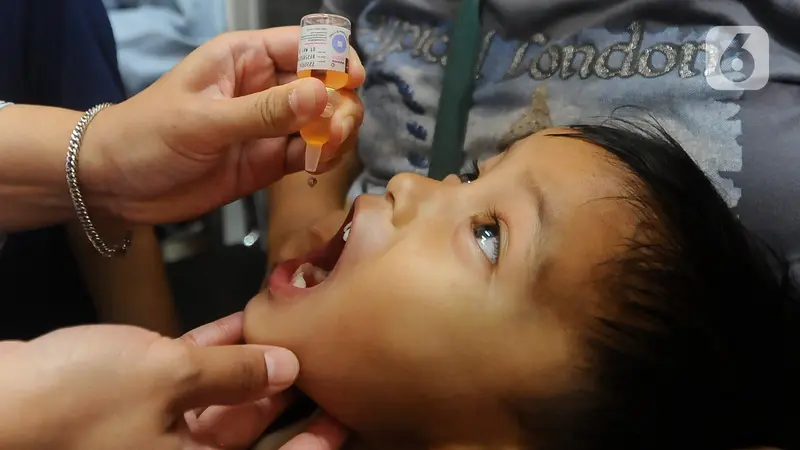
{"points": [[487, 229], [470, 175], [488, 238]]}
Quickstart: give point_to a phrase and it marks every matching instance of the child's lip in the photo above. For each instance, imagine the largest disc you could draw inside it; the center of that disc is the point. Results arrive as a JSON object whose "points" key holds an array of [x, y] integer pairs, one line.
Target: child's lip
{"points": [[280, 281]]}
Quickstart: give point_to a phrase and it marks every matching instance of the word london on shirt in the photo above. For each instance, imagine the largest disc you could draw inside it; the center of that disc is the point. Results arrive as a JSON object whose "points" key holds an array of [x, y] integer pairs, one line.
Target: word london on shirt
{"points": [[429, 43]]}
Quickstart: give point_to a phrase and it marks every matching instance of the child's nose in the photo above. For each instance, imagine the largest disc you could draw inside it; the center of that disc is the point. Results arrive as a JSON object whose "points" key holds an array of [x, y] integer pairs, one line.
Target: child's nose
{"points": [[408, 193]]}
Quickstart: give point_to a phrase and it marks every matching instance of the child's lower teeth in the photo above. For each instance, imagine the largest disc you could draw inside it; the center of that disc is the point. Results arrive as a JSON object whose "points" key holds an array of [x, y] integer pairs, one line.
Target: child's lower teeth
{"points": [[306, 273], [298, 281]]}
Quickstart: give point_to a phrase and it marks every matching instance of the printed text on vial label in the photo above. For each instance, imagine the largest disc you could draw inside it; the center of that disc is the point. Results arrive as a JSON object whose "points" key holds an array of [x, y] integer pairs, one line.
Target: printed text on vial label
{"points": [[323, 47]]}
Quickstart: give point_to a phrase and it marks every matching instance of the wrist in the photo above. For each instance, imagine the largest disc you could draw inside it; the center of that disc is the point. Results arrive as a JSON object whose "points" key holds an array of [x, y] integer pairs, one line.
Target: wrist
{"points": [[98, 176], [33, 149]]}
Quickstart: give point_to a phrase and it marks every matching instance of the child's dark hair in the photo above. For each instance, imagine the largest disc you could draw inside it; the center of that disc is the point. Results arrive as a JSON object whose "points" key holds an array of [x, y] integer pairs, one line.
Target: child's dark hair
{"points": [[698, 352]]}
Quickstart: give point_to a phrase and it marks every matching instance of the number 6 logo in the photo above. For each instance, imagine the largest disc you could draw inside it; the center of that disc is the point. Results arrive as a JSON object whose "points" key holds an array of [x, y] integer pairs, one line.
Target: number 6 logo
{"points": [[741, 59]]}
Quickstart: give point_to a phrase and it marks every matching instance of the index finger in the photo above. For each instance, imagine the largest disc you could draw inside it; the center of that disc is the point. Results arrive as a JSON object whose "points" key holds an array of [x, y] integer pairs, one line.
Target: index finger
{"points": [[356, 71], [324, 433], [281, 44], [225, 331]]}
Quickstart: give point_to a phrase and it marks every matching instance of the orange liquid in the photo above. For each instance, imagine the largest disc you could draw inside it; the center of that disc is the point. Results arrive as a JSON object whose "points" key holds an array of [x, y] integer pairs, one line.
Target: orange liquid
{"points": [[318, 132], [332, 79]]}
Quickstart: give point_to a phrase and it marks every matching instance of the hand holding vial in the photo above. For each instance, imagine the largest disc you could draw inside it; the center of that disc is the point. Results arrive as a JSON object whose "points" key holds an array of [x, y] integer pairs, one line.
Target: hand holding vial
{"points": [[324, 54]]}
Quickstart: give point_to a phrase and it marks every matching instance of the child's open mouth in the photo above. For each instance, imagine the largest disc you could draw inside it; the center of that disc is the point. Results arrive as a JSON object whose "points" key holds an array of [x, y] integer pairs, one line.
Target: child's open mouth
{"points": [[296, 276]]}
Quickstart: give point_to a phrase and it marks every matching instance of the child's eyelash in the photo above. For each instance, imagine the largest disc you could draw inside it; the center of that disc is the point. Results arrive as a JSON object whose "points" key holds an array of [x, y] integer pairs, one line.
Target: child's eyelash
{"points": [[493, 215], [488, 234], [475, 167], [470, 174], [490, 216]]}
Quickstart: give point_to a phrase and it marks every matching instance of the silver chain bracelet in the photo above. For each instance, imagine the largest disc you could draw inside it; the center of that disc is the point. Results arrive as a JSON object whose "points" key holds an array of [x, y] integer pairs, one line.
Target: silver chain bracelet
{"points": [[75, 192]]}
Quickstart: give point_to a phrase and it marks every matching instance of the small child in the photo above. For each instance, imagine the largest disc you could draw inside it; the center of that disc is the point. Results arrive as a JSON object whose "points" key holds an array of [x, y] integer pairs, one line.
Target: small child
{"points": [[595, 57], [588, 288]]}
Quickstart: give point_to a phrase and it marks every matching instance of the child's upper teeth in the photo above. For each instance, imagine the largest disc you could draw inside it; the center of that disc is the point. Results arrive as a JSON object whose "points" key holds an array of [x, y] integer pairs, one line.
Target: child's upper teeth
{"points": [[319, 275], [346, 231]]}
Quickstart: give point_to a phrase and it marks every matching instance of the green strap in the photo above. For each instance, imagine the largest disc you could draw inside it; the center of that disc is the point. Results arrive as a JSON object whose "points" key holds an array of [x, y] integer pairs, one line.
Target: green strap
{"points": [[456, 97]]}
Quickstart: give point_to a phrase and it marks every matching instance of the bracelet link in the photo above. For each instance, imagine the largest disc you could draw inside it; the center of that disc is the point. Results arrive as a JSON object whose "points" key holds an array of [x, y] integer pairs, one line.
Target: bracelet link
{"points": [[75, 140]]}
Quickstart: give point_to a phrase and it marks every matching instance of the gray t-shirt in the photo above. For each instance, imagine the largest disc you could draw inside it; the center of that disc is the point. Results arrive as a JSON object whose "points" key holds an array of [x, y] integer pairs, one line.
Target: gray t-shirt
{"points": [[583, 59]]}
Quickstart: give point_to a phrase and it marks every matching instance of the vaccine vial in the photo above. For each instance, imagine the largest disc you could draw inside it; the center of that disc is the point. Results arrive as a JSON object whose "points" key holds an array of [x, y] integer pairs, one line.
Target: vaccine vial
{"points": [[323, 54]]}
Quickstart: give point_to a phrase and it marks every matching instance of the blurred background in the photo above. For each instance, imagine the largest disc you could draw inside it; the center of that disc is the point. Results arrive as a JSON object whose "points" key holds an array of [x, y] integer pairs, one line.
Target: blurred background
{"points": [[216, 262]]}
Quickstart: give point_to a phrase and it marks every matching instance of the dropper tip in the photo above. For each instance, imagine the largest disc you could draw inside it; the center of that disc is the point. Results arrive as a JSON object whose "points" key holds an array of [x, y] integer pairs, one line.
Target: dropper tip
{"points": [[313, 154]]}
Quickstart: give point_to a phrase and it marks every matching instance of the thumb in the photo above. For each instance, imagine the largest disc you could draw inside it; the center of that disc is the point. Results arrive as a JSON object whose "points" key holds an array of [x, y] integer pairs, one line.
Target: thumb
{"points": [[9, 346], [231, 375], [277, 112]]}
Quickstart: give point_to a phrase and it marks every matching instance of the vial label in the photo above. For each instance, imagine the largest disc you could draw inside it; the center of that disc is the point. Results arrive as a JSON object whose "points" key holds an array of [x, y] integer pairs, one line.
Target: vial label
{"points": [[323, 47]]}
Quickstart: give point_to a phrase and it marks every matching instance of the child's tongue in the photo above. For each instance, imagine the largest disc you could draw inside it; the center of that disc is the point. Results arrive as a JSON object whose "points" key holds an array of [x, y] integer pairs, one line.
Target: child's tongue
{"points": [[307, 275]]}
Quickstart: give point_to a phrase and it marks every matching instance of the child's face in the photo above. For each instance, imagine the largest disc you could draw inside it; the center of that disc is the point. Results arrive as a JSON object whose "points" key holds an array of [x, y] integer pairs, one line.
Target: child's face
{"points": [[450, 299]]}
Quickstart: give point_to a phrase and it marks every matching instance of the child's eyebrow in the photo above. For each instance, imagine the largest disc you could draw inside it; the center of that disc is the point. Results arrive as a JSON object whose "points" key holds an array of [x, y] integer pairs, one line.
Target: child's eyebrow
{"points": [[527, 180], [534, 191]]}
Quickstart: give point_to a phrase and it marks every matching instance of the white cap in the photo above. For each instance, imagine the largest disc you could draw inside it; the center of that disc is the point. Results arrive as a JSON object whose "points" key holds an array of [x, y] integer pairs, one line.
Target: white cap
{"points": [[313, 153]]}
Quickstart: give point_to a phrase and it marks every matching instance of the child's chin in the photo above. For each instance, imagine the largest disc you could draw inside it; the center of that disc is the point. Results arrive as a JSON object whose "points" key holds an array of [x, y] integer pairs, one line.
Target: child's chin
{"points": [[257, 322], [281, 325]]}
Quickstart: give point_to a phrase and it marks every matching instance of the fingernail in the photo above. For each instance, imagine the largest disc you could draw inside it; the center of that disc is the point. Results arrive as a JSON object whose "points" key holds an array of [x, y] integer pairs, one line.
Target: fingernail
{"points": [[347, 127], [302, 100], [282, 367], [332, 103]]}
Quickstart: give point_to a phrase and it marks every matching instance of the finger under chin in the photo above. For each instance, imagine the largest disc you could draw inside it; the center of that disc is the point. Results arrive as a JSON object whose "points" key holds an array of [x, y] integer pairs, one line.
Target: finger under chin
{"points": [[238, 426], [229, 375], [324, 433], [225, 331]]}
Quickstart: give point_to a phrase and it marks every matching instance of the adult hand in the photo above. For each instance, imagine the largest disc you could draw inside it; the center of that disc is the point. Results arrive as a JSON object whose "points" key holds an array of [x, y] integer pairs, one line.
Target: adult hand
{"points": [[109, 387], [213, 129]]}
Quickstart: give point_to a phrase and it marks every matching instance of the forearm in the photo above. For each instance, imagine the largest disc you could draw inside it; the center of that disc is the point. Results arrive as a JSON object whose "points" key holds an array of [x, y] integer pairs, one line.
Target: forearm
{"points": [[33, 148], [133, 290]]}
